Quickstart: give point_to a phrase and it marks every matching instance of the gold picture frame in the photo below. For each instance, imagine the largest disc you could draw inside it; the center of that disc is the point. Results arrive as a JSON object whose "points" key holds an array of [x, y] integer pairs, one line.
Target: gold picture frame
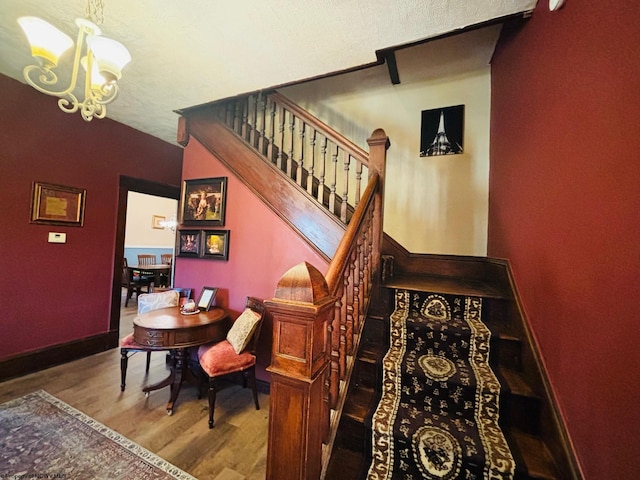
{"points": [[156, 222], [57, 204]]}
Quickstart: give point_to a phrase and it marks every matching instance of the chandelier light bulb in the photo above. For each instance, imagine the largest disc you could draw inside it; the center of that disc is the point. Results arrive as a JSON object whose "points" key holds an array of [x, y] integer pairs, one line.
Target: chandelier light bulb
{"points": [[97, 80], [47, 42], [110, 55]]}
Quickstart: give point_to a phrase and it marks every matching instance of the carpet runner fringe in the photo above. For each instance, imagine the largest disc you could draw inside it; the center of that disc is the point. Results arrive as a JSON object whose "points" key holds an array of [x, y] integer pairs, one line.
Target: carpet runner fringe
{"points": [[439, 410]]}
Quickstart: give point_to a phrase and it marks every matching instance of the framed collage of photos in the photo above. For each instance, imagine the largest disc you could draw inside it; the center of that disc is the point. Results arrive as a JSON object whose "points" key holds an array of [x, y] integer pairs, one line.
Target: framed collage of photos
{"points": [[209, 244], [203, 205]]}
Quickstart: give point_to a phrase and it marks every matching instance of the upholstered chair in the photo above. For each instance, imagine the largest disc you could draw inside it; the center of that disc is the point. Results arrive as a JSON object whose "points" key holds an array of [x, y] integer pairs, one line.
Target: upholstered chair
{"points": [[128, 347], [237, 353]]}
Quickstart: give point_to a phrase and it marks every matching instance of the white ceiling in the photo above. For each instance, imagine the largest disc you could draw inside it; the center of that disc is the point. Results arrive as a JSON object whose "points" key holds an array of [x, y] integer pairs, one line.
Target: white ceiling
{"points": [[190, 52]]}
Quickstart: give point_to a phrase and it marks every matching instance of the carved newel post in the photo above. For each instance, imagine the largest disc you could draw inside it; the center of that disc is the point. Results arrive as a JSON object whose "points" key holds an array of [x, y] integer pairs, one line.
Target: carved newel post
{"points": [[301, 311]]}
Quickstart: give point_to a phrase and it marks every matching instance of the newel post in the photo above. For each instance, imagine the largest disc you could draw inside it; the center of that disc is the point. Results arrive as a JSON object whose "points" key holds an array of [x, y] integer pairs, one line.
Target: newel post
{"points": [[301, 311], [378, 146]]}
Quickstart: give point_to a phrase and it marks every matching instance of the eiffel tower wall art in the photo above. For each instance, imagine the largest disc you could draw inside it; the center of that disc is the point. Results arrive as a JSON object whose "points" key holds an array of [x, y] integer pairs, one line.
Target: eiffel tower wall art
{"points": [[442, 131]]}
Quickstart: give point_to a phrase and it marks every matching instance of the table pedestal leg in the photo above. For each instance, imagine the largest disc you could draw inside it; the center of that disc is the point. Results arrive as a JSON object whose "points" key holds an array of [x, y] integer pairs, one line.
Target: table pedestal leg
{"points": [[174, 380]]}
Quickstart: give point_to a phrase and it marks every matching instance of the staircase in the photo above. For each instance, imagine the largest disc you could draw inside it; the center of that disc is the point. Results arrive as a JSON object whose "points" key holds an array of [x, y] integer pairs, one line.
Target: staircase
{"points": [[524, 412], [304, 170]]}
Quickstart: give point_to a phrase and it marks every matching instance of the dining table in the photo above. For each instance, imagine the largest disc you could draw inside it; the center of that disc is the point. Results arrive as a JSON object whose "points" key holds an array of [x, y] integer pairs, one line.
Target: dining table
{"points": [[171, 329], [155, 270]]}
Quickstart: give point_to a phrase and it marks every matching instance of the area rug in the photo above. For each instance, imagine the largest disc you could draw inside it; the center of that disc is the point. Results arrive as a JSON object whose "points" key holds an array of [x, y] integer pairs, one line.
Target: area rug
{"points": [[43, 437], [439, 410]]}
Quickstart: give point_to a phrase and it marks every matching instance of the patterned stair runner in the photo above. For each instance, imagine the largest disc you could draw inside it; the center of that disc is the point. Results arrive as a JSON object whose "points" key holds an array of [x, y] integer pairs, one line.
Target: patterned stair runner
{"points": [[438, 414]]}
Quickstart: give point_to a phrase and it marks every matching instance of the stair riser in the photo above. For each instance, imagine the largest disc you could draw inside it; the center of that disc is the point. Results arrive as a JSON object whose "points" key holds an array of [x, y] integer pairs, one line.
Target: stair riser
{"points": [[353, 435], [523, 413], [375, 332], [366, 374], [510, 354]]}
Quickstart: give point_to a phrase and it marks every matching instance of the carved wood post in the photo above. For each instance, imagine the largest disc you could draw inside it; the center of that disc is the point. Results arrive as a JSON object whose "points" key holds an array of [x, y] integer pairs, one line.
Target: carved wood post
{"points": [[378, 146], [301, 311]]}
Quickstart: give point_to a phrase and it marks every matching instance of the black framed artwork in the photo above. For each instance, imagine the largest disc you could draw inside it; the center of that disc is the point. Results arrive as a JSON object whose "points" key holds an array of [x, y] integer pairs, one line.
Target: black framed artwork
{"points": [[188, 243], [215, 244], [204, 202], [205, 300], [442, 131]]}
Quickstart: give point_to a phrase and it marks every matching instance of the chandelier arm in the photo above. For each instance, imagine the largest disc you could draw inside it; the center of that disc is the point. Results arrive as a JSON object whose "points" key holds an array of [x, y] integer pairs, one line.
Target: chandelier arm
{"points": [[46, 76], [108, 94], [91, 109], [69, 104]]}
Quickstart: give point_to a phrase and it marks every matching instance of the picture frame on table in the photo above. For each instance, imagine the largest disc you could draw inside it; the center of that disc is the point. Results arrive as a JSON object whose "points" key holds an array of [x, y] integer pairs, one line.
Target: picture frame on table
{"points": [[205, 300], [57, 204], [215, 244], [188, 243], [204, 202]]}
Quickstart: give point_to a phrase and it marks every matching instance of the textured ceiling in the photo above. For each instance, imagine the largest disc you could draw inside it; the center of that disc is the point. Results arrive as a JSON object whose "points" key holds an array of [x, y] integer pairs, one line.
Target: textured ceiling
{"points": [[191, 52]]}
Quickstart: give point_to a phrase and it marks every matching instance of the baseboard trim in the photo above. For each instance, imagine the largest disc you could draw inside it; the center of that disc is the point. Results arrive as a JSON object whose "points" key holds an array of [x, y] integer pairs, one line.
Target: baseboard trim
{"points": [[554, 430], [44, 358]]}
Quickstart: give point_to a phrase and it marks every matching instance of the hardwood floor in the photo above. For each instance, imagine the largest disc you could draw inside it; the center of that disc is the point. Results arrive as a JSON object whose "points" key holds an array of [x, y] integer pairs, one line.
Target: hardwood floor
{"points": [[235, 449]]}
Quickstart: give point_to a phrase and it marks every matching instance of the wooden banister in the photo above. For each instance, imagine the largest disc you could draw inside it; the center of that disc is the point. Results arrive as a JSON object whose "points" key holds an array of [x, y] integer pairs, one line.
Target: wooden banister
{"points": [[317, 320], [354, 150], [317, 324], [324, 164]]}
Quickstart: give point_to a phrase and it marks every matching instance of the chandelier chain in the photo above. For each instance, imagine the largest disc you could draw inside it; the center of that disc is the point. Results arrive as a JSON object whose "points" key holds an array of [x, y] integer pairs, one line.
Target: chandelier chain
{"points": [[95, 11]]}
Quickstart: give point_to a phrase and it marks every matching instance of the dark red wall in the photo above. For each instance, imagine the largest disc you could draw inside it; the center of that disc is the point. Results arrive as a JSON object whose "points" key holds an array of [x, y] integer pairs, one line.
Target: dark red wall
{"points": [[261, 248], [55, 293], [564, 209]]}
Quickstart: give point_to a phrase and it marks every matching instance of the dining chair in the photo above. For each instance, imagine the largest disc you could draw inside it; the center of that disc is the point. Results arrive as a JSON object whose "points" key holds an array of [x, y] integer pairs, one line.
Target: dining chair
{"points": [[165, 259], [128, 346], [133, 282], [146, 259], [237, 353]]}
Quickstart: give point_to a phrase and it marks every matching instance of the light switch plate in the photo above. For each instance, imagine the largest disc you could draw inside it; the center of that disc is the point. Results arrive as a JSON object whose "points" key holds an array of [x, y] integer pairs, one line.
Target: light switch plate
{"points": [[57, 237]]}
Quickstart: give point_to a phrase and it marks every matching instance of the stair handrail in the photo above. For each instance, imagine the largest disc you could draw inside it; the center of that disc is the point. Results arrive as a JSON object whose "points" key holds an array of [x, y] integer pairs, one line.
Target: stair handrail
{"points": [[326, 165], [357, 152], [317, 321], [349, 279]]}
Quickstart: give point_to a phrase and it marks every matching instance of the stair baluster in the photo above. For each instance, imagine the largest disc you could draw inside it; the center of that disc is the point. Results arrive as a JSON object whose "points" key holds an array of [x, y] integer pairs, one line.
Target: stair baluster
{"points": [[321, 178], [301, 156], [312, 161], [292, 126], [271, 154]]}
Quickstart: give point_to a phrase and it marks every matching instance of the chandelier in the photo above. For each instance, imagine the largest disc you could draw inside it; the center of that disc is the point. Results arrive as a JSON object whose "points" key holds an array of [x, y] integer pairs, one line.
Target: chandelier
{"points": [[102, 61]]}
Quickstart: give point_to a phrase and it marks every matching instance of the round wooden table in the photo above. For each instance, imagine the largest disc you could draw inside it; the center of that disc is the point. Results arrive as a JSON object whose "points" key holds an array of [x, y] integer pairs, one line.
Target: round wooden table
{"points": [[169, 329]]}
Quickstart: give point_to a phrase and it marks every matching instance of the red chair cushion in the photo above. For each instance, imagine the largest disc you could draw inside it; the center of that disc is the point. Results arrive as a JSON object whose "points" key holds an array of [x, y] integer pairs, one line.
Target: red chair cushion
{"points": [[221, 358]]}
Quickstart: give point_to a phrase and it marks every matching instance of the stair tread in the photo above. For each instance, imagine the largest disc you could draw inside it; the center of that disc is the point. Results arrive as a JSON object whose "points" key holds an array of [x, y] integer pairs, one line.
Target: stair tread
{"points": [[359, 403], [371, 353], [516, 383], [445, 285], [345, 463], [536, 456]]}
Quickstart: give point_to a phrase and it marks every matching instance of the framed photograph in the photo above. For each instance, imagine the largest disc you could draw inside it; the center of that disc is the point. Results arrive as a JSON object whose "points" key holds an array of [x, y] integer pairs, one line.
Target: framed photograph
{"points": [[215, 244], [189, 242], [204, 201], [205, 300], [156, 222], [57, 205], [442, 131]]}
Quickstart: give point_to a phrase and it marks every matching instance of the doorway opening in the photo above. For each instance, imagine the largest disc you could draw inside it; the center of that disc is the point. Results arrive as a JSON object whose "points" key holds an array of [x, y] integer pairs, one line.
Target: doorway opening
{"points": [[129, 184]]}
